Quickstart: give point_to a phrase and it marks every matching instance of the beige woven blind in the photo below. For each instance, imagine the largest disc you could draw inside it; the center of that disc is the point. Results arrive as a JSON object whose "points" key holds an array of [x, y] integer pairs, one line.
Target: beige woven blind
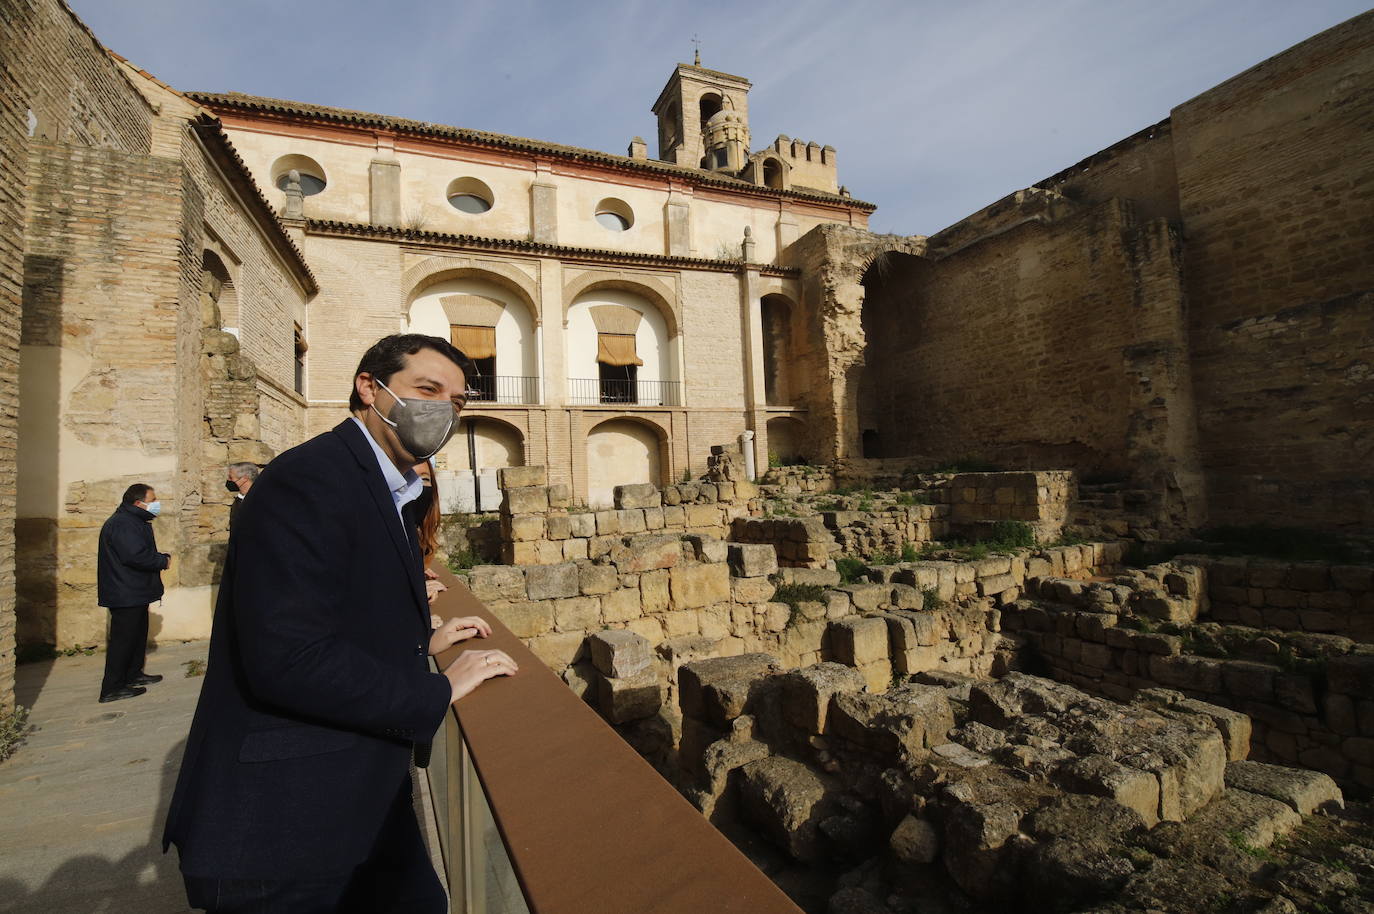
{"points": [[617, 349], [616, 319], [476, 342]]}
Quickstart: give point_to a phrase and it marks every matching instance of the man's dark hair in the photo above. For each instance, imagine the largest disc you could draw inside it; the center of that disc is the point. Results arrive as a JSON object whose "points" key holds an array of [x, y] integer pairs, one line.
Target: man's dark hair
{"points": [[388, 356], [136, 492]]}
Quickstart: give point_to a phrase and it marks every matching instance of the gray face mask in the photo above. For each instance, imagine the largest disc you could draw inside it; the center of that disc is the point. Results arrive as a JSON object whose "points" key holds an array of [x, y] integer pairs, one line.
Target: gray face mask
{"points": [[423, 426]]}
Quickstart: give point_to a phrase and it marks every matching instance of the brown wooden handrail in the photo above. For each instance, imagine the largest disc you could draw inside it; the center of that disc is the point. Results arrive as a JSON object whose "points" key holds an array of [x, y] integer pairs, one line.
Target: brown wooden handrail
{"points": [[589, 826]]}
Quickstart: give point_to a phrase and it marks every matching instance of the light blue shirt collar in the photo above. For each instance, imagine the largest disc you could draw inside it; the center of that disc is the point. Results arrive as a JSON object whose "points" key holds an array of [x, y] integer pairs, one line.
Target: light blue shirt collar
{"points": [[404, 488]]}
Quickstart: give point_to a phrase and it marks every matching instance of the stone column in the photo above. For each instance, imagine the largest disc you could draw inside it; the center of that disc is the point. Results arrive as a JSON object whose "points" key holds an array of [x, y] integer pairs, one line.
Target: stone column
{"points": [[751, 314], [677, 224], [385, 178], [544, 206]]}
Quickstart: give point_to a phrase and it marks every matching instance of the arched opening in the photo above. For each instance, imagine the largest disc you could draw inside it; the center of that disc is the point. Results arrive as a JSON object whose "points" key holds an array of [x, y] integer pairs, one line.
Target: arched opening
{"points": [[709, 106], [219, 300], [772, 174], [491, 324], [787, 442], [619, 351], [466, 467], [777, 350], [470, 195], [621, 452], [890, 409]]}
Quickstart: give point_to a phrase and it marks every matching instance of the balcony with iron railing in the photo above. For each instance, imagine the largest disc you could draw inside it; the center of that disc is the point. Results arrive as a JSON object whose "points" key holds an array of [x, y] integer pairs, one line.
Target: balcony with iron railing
{"points": [[623, 392], [541, 807], [499, 389]]}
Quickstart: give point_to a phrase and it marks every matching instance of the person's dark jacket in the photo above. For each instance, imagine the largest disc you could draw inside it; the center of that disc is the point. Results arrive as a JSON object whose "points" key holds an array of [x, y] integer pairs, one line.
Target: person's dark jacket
{"points": [[128, 565], [318, 679]]}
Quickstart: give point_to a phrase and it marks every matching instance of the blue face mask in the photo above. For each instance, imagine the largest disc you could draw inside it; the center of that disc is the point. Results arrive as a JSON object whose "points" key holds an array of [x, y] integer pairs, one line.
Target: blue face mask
{"points": [[154, 508]]}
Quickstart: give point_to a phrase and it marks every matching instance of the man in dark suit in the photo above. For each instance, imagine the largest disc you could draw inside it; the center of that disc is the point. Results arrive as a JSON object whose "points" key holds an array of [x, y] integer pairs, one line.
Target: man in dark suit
{"points": [[129, 577], [294, 793]]}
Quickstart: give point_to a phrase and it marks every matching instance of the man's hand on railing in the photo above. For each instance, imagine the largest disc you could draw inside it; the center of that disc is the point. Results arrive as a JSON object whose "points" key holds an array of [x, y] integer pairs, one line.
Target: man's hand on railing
{"points": [[459, 628], [472, 668]]}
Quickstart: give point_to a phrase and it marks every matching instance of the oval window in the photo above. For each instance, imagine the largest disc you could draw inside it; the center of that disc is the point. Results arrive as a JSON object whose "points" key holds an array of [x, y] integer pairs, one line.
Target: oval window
{"points": [[469, 195], [614, 215]]}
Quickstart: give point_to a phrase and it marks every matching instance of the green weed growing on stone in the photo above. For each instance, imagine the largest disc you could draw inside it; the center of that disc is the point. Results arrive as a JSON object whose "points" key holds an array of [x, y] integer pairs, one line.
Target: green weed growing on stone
{"points": [[1010, 534], [909, 553], [912, 498], [886, 558], [851, 569], [930, 599], [462, 560], [1245, 847], [194, 668], [14, 729], [796, 594]]}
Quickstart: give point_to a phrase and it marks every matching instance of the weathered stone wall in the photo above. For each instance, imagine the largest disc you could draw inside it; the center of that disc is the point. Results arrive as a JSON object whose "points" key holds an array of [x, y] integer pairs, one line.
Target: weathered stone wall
{"points": [[1291, 596], [1042, 500], [1275, 170], [800, 542], [541, 526]]}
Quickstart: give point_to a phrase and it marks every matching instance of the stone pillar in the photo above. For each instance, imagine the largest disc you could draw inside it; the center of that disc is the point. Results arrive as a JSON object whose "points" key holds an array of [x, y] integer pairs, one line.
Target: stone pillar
{"points": [[677, 224], [751, 308], [746, 447], [385, 178], [543, 206]]}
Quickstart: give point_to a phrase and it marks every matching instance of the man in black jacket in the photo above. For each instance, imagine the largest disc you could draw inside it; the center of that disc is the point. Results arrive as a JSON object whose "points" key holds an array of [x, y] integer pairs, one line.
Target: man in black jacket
{"points": [[129, 577], [294, 793]]}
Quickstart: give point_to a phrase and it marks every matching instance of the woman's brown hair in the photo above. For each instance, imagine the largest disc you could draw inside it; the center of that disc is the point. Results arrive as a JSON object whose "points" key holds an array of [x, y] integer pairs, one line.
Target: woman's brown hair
{"points": [[429, 524]]}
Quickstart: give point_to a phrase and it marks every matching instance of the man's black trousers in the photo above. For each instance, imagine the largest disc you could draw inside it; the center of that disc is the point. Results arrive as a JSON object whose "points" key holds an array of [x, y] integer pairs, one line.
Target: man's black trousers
{"points": [[127, 647], [397, 878]]}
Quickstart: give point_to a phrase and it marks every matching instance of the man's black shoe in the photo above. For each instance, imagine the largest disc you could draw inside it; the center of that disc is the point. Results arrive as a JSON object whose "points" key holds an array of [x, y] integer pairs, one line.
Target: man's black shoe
{"points": [[129, 691], [143, 679]]}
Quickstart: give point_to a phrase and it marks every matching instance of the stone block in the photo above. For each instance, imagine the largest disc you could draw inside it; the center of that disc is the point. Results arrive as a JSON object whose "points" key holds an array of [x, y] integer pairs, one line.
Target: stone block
{"points": [[607, 523], [703, 516], [653, 591], [621, 605], [806, 693], [526, 528], [786, 801], [674, 517], [1098, 775], [525, 500], [902, 723], [1189, 763], [1351, 675], [699, 585], [633, 697], [560, 495], [915, 841], [489, 583], [860, 641], [548, 582], [1304, 791], [548, 552], [720, 689], [631, 520], [1235, 728], [639, 495], [868, 597], [594, 580], [521, 477], [525, 618], [558, 526], [752, 561], [681, 622], [708, 549], [583, 525], [647, 552], [620, 653], [558, 651], [653, 519], [751, 590], [577, 613]]}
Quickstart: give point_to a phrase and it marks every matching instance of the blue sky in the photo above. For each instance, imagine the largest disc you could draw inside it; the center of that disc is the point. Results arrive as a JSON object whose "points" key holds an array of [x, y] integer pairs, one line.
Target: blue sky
{"points": [[935, 108]]}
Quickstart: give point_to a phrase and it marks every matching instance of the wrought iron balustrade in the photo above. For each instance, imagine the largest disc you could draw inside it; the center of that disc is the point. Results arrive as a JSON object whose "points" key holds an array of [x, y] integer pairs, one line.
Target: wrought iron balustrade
{"points": [[593, 391], [504, 389]]}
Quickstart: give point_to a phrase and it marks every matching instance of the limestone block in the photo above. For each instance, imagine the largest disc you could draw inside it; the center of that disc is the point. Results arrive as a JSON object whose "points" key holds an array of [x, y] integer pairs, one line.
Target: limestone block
{"points": [[708, 548], [1304, 791], [583, 680], [621, 605], [640, 495], [752, 590], [868, 597], [720, 689], [653, 519], [674, 517], [1194, 674], [548, 552], [806, 693], [594, 580], [607, 523], [599, 546], [583, 525], [860, 641], [1190, 765], [520, 553], [525, 618], [681, 622], [619, 653], [521, 477], [837, 604], [915, 841], [547, 582], [699, 585], [786, 801], [995, 584], [576, 613], [497, 582], [752, 561], [1098, 775], [646, 552], [1249, 818], [558, 526], [558, 651], [672, 495], [776, 616], [526, 528], [650, 627], [1351, 675], [902, 723], [560, 496], [633, 697], [525, 500], [703, 516], [631, 520], [714, 622], [653, 591], [250, 452]]}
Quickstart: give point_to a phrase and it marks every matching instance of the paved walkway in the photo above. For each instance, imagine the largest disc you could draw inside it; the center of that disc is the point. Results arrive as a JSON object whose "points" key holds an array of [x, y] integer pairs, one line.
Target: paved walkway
{"points": [[82, 801]]}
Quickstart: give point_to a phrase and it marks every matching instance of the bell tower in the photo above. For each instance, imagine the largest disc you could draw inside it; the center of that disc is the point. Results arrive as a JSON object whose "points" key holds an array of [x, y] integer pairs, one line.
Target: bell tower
{"points": [[703, 119]]}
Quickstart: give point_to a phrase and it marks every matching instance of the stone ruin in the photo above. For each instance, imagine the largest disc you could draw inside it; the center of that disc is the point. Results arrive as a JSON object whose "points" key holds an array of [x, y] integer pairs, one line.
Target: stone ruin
{"points": [[1042, 728]]}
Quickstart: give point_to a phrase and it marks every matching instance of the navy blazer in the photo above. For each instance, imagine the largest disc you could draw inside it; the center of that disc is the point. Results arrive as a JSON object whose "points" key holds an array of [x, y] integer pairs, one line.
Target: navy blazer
{"points": [[318, 679], [128, 566]]}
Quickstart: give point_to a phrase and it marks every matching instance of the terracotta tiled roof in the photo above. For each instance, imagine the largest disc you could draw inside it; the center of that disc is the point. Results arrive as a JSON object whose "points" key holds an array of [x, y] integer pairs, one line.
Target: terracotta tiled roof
{"points": [[279, 107], [565, 252]]}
